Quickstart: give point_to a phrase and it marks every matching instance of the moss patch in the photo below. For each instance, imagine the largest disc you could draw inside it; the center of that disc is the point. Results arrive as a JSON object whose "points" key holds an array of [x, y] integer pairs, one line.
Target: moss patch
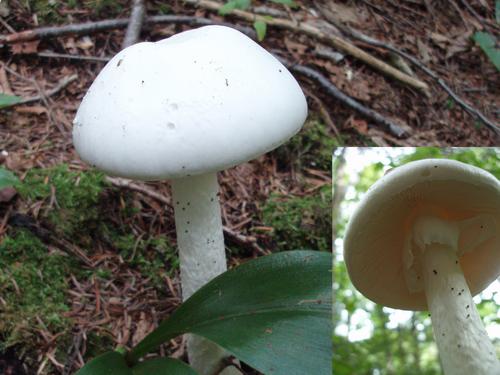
{"points": [[300, 222], [33, 283]]}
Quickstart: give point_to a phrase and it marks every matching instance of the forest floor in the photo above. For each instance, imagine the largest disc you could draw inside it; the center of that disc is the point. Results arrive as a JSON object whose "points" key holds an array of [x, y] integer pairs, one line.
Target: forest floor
{"points": [[116, 242]]}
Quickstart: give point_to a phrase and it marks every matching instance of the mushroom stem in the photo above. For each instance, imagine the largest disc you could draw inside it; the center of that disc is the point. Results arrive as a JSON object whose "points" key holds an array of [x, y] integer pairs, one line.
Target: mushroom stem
{"points": [[201, 251], [464, 346]]}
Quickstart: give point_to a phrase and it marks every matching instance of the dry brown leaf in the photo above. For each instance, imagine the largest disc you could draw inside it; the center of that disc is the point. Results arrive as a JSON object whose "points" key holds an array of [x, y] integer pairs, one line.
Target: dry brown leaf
{"points": [[25, 47], [361, 126], [295, 48], [85, 43], [424, 51], [6, 194], [344, 14]]}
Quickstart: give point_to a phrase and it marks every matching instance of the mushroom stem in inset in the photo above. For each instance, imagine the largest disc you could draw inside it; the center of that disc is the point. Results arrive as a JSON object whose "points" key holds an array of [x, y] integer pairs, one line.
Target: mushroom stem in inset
{"points": [[464, 346], [201, 251]]}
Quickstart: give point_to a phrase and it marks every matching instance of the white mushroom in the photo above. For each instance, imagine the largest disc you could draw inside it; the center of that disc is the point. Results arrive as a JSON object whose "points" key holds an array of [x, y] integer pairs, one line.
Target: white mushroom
{"points": [[426, 236], [182, 109]]}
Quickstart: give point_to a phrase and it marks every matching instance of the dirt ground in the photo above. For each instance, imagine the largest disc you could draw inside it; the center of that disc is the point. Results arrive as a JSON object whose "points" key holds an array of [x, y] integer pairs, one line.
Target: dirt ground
{"points": [[126, 305]]}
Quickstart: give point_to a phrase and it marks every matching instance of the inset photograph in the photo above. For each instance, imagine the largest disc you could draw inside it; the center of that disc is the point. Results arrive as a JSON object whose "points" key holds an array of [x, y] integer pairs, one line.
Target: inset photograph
{"points": [[416, 261]]}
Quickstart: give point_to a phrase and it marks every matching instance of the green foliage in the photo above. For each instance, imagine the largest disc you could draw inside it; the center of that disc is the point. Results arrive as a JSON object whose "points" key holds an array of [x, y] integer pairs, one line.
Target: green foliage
{"points": [[7, 178], [289, 3], [300, 222], [488, 44], [277, 325], [76, 197], [8, 100], [234, 4], [261, 28], [486, 158], [32, 284]]}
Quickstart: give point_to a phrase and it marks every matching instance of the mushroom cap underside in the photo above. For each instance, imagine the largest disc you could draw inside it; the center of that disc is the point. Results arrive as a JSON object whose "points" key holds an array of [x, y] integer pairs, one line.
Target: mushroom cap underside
{"points": [[199, 101], [376, 233]]}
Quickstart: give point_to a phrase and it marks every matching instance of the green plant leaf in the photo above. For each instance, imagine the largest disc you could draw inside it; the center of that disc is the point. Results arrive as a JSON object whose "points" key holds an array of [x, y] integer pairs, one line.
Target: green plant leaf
{"points": [[163, 366], [234, 4], [8, 100], [487, 43], [261, 28], [497, 10], [274, 313], [7, 178], [110, 363], [290, 3]]}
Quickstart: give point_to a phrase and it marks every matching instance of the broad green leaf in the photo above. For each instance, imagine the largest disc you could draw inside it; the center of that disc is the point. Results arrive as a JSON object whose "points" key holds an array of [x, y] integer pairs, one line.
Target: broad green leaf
{"points": [[234, 4], [110, 363], [274, 313], [497, 10], [260, 27], [7, 100], [290, 3], [163, 366], [7, 178], [487, 43]]}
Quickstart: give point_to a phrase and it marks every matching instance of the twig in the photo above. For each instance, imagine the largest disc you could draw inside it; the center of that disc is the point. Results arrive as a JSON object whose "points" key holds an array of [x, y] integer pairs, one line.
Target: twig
{"points": [[229, 233], [93, 27], [387, 124], [73, 57], [61, 85], [314, 32], [377, 43], [135, 23]]}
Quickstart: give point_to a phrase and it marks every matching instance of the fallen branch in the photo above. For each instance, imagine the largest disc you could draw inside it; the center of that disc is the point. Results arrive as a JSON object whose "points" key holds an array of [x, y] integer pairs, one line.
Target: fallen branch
{"points": [[238, 238], [377, 43], [105, 25], [387, 124], [135, 23], [314, 32]]}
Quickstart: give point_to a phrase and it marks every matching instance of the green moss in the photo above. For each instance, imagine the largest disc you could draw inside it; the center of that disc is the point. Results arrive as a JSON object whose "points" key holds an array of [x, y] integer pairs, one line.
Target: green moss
{"points": [[311, 148], [50, 12], [154, 257], [77, 194], [32, 284], [300, 222]]}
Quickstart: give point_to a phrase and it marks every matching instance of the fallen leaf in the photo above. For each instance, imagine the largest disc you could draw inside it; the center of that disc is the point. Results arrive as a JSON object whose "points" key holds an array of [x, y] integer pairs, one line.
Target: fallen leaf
{"points": [[6, 194], [361, 126], [25, 47], [344, 14]]}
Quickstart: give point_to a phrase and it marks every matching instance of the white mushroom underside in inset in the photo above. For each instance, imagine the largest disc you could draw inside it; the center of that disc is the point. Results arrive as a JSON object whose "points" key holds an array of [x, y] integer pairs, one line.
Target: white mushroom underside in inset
{"points": [[182, 109], [426, 236]]}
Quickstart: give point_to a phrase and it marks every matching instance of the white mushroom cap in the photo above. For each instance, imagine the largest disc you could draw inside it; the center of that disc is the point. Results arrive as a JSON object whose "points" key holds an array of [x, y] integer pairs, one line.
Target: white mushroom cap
{"points": [[374, 244], [200, 101]]}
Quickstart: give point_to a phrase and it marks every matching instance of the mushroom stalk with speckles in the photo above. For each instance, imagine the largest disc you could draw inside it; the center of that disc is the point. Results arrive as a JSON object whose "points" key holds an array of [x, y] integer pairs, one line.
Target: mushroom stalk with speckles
{"points": [[464, 346], [201, 251]]}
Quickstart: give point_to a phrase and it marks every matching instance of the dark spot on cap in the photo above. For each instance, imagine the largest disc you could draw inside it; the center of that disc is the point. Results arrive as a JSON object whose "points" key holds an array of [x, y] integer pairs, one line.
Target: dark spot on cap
{"points": [[435, 272], [119, 62]]}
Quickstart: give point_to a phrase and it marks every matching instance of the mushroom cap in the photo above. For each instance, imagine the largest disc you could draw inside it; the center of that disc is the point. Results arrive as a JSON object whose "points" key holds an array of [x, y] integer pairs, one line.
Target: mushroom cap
{"points": [[200, 101], [375, 236]]}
